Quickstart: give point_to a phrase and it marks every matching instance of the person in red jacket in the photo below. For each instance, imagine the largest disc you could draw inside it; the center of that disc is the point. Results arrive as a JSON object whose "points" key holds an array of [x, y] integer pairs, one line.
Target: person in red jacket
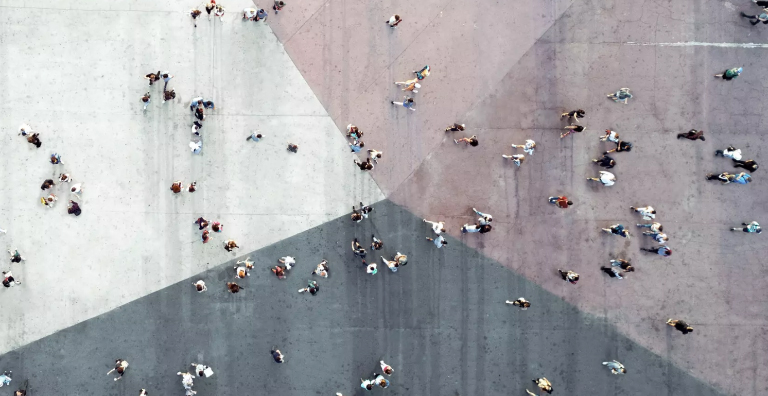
{"points": [[561, 202]]}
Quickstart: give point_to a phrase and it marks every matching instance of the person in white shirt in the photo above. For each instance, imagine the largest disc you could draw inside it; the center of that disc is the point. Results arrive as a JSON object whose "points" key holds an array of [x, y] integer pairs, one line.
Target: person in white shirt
{"points": [[484, 219], [375, 155], [616, 367], [241, 271], [528, 147], [202, 370], [64, 178], [186, 379], [25, 129], [751, 227], [730, 152], [520, 302], [321, 269], [394, 20], [120, 366], [371, 268], [517, 159], [439, 241], [659, 237], [219, 12], [196, 147], [288, 261], [249, 13], [655, 227], [611, 136], [648, 212], [607, 178], [387, 369], [437, 227], [200, 286], [76, 189], [367, 384]]}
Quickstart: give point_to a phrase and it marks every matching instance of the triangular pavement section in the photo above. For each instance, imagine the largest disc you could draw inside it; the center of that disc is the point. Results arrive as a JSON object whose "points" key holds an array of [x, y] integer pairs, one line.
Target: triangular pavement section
{"points": [[440, 321], [78, 83], [574, 65]]}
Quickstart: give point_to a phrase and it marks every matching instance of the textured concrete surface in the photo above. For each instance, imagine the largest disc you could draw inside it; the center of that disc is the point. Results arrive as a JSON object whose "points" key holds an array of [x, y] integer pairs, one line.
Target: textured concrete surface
{"points": [[76, 76], [440, 321]]}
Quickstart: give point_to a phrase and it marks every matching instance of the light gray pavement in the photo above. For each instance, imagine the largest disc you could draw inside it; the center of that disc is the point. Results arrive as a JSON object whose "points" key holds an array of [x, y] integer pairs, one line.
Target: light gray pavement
{"points": [[76, 77]]}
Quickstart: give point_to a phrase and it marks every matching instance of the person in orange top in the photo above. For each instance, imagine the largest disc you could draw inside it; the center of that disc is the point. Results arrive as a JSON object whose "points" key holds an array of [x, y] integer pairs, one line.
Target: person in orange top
{"points": [[561, 202]]}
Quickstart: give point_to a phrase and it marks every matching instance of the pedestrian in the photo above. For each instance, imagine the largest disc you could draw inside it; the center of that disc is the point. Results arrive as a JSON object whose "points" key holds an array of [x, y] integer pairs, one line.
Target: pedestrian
{"points": [[230, 245], [605, 162], [725, 178], [120, 366], [407, 103], [569, 276], [437, 226], [202, 370], [439, 241], [543, 384], [322, 269], [200, 286], [517, 159], [176, 187], [56, 159], [362, 212], [168, 95], [196, 102], [455, 127], [23, 390], [659, 237], [376, 243], [528, 147], [205, 236], [8, 280], [194, 13], [661, 251], [358, 249], [732, 73], [277, 355], [471, 228], [381, 381], [50, 200], [153, 77], [354, 132], [279, 272], [751, 227], [16, 256], [34, 139], [391, 264], [484, 219], [210, 6], [692, 135], [749, 165], [648, 212], [616, 367], [289, 261], [64, 178], [562, 202], [249, 13], [356, 146], [200, 114], [401, 259], [618, 229], [620, 146], [623, 265], [610, 136], [370, 268], [187, 380], [167, 77], [293, 148], [74, 208], [312, 288], [729, 152], [254, 136], [655, 227], [145, 100], [196, 146], [261, 15], [680, 325], [472, 141], [761, 3], [366, 384], [242, 271], [374, 155], [423, 73], [575, 114], [622, 95], [387, 369], [48, 183], [613, 272], [76, 189], [192, 187], [394, 20], [572, 129], [607, 178], [219, 12], [520, 302], [279, 4], [233, 287], [217, 226], [5, 378]]}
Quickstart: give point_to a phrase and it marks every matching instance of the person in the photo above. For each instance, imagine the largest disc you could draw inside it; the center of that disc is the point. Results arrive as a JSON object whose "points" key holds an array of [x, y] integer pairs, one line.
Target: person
{"points": [[16, 256], [394, 20], [202, 223], [607, 178], [755, 19], [410, 85], [358, 249], [618, 229], [374, 155], [279, 272], [520, 302], [322, 269], [364, 166], [143, 392], [472, 141], [623, 264], [230, 245], [47, 183], [202, 370], [210, 6], [387, 369], [356, 146], [64, 178], [376, 243], [200, 286], [575, 114], [605, 162], [749, 165], [176, 187], [381, 381], [648, 212], [233, 287], [312, 288], [56, 159], [74, 208], [8, 279], [354, 132], [249, 13], [470, 228], [659, 237], [437, 227], [692, 135], [613, 272], [34, 139], [200, 113], [242, 271], [439, 241], [655, 227], [561, 202], [289, 261], [120, 366], [401, 259], [569, 276], [192, 187], [620, 146], [363, 211], [76, 189], [277, 355], [254, 136], [261, 15], [729, 152], [196, 146], [167, 77], [196, 126], [622, 95], [616, 367], [217, 226], [50, 200], [145, 100], [610, 136], [543, 384], [370, 268], [366, 384], [423, 73], [391, 264], [169, 95], [293, 148], [528, 147], [187, 380], [661, 251], [725, 178], [219, 12], [5, 378], [751, 227], [455, 127], [153, 77], [407, 103], [205, 236], [680, 325], [194, 13], [730, 74], [517, 159], [279, 4], [484, 219], [23, 390], [572, 129]]}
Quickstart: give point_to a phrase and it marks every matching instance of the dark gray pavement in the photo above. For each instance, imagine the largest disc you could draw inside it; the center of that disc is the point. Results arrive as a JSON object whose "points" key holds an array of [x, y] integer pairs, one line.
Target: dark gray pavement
{"points": [[440, 321]]}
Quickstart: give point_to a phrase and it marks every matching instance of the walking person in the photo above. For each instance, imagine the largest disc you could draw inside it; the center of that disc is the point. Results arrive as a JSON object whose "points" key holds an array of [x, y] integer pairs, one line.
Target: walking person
{"points": [[230, 245], [387, 369], [362, 213], [76, 189], [254, 136], [9, 280], [648, 212], [34, 140], [692, 135], [168, 95], [64, 178], [367, 384], [437, 226], [616, 367], [407, 103], [367, 165], [322, 269], [381, 381], [729, 152], [605, 162], [517, 159], [187, 380], [755, 19], [484, 219], [439, 241], [575, 114], [569, 276], [572, 129], [374, 155], [607, 178], [751, 227], [655, 227], [219, 12], [200, 286], [153, 77], [680, 325], [233, 287], [663, 251], [618, 229], [520, 302], [610, 136], [370, 268], [312, 288], [50, 200], [472, 228], [279, 4], [192, 187], [621, 96], [732, 73], [354, 132], [624, 265], [472, 141], [294, 148], [48, 183], [202, 370], [15, 256], [659, 237], [145, 100], [167, 76], [561, 202], [242, 271], [725, 178], [423, 73], [356, 146], [391, 264], [56, 159], [288, 261], [613, 272], [543, 384], [394, 20], [176, 187], [120, 366], [358, 249], [74, 208], [528, 147], [277, 355], [620, 146], [455, 128], [376, 243], [194, 13], [749, 165]]}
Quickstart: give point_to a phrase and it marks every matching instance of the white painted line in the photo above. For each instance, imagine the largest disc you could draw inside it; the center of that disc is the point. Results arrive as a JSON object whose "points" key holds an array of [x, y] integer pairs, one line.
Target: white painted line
{"points": [[698, 44]]}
